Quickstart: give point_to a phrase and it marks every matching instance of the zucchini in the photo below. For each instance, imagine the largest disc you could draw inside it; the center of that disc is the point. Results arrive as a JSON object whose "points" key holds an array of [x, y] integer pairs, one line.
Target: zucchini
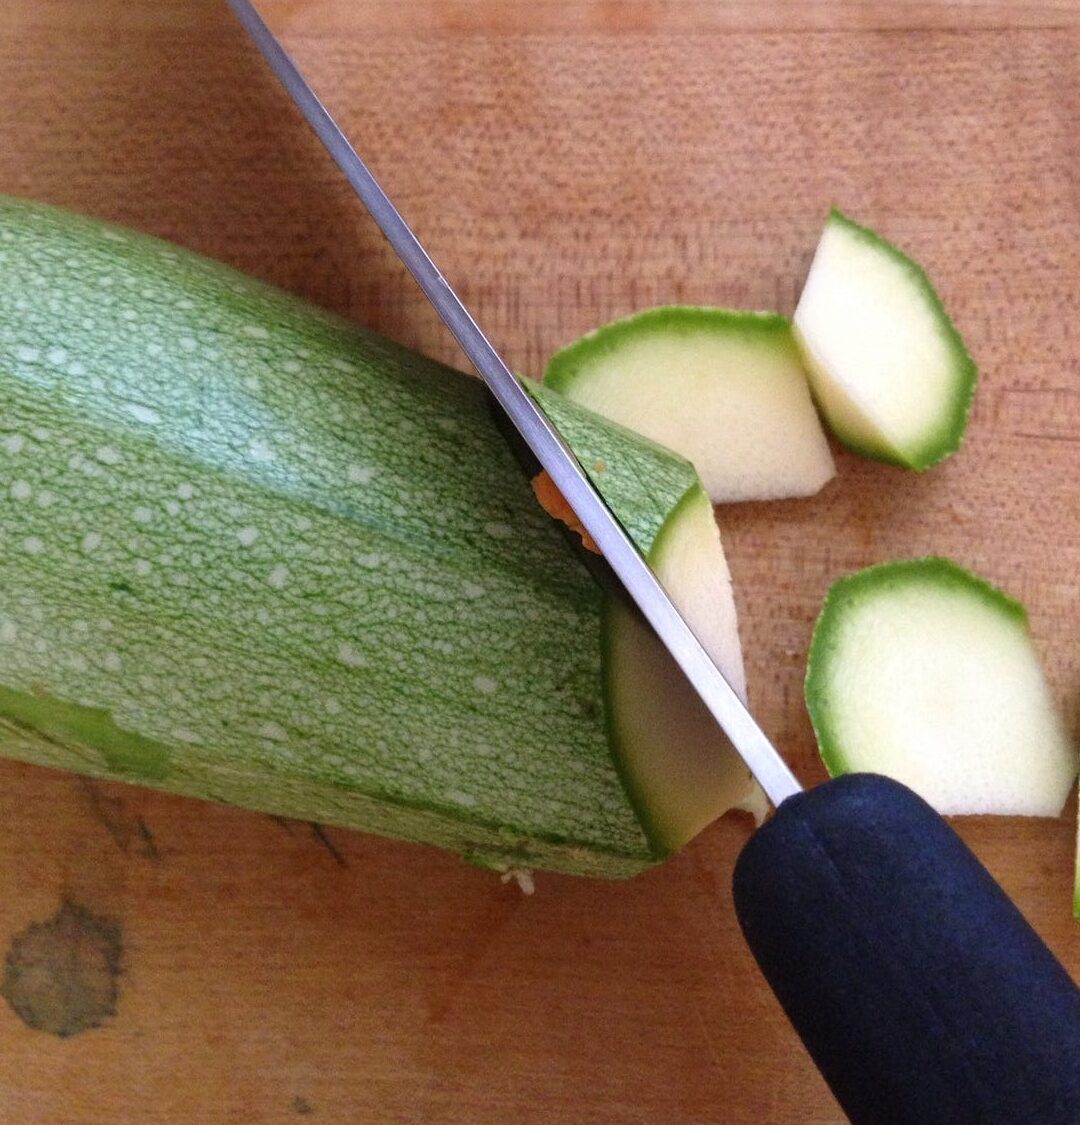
{"points": [[924, 672], [698, 777], [253, 554], [680, 770], [887, 367], [726, 389]]}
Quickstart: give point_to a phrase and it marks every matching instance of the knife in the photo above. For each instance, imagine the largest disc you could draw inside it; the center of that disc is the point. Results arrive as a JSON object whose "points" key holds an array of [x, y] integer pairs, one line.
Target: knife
{"points": [[920, 991]]}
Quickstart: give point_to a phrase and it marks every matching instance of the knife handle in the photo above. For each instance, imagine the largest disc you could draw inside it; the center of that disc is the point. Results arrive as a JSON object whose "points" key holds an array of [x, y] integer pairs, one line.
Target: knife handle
{"points": [[918, 988]]}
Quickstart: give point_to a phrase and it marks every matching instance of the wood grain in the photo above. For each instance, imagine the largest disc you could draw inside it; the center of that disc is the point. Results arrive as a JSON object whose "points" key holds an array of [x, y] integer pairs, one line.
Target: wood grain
{"points": [[497, 18], [567, 163]]}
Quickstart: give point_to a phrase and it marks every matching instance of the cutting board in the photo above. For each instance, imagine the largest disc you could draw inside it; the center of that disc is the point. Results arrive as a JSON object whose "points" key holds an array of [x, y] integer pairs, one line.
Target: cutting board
{"points": [[567, 161]]}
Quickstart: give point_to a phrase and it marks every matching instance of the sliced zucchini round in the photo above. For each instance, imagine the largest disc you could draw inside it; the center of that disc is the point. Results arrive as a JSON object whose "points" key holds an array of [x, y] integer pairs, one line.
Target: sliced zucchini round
{"points": [[921, 671], [888, 369]]}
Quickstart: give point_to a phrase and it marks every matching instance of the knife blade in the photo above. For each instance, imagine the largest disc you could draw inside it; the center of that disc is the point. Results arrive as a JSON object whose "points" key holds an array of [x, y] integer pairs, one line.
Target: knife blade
{"points": [[920, 991], [629, 566]]}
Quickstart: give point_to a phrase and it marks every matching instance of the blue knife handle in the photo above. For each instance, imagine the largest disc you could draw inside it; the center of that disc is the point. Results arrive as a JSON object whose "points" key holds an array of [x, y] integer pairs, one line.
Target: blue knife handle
{"points": [[918, 988]]}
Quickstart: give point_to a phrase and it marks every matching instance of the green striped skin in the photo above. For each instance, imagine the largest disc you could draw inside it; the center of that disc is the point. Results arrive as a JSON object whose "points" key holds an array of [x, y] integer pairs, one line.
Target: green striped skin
{"points": [[253, 554], [642, 482], [569, 363]]}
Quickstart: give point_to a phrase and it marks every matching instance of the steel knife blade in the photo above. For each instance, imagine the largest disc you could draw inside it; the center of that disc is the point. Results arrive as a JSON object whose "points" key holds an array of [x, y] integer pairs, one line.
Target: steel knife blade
{"points": [[624, 559]]}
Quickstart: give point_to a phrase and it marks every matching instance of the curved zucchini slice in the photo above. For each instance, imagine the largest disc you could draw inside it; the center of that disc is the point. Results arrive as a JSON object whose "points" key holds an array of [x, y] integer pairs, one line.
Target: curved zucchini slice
{"points": [[922, 671], [726, 389], [888, 368], [679, 766]]}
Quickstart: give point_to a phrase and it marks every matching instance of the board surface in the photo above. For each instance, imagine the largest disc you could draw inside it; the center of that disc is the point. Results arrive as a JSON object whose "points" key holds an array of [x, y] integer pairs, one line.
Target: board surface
{"points": [[567, 161]]}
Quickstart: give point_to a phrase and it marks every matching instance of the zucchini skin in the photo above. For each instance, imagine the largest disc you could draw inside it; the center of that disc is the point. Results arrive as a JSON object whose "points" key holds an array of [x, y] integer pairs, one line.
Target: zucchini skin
{"points": [[254, 554]]}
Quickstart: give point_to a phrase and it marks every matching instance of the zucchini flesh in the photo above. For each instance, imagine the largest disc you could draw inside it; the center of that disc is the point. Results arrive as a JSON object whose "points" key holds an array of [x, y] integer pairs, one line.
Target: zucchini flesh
{"points": [[924, 672], [888, 368], [697, 776], [251, 553], [680, 769], [726, 389]]}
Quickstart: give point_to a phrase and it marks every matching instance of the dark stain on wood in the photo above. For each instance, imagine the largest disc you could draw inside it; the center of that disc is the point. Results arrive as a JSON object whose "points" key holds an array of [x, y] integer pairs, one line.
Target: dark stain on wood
{"points": [[320, 834], [302, 1106], [130, 832], [61, 976]]}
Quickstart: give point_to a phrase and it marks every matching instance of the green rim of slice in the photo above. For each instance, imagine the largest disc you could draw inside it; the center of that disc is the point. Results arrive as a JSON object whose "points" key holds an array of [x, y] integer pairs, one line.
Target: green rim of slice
{"points": [[944, 438]]}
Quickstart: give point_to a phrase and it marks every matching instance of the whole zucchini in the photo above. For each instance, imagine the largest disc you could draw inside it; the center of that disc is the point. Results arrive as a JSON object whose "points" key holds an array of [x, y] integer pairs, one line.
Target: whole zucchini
{"points": [[251, 553]]}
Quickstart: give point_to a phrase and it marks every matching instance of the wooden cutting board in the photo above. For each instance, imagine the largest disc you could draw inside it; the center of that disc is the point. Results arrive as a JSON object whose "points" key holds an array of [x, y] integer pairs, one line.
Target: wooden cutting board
{"points": [[567, 161]]}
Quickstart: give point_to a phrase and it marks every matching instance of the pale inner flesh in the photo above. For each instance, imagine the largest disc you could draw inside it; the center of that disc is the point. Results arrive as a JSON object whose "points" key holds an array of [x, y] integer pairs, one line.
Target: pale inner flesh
{"points": [[681, 765], [943, 693], [881, 366], [738, 407]]}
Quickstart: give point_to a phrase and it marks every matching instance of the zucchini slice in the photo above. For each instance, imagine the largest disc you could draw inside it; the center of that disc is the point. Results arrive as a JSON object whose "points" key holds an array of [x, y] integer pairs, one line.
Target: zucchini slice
{"points": [[921, 671], [888, 368], [725, 389]]}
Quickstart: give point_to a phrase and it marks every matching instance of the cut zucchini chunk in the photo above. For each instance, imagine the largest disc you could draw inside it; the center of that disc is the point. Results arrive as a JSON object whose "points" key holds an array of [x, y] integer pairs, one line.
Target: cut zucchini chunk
{"points": [[725, 389], [888, 369], [921, 671], [679, 766]]}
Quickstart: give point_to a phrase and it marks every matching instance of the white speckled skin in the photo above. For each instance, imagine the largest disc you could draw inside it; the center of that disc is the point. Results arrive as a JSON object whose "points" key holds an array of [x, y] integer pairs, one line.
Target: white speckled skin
{"points": [[290, 564]]}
